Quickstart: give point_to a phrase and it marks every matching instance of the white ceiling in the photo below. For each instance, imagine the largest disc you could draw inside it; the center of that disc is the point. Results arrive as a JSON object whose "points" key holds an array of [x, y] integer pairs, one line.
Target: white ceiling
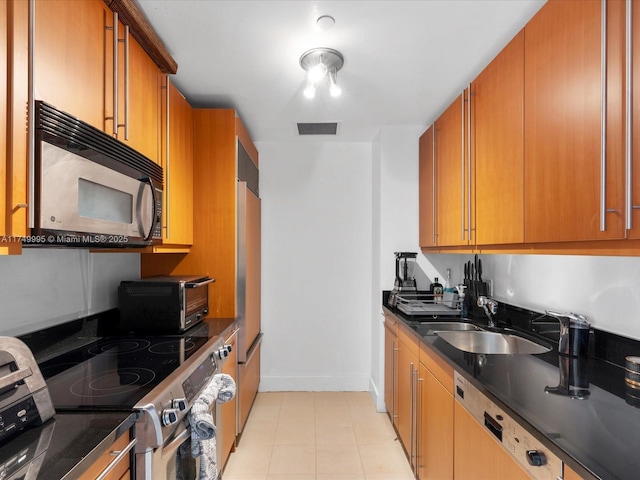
{"points": [[405, 61]]}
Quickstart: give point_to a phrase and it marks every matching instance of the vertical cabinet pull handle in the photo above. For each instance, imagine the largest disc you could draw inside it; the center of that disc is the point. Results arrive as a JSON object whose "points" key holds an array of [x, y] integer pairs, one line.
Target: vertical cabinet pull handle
{"points": [[167, 183], [116, 89], [603, 119], [115, 73], [126, 82], [31, 120], [463, 231], [433, 189], [628, 115], [469, 160]]}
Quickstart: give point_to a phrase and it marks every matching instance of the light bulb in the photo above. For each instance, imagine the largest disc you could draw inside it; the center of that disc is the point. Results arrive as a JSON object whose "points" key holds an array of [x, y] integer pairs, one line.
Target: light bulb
{"points": [[317, 72], [334, 88], [310, 91]]}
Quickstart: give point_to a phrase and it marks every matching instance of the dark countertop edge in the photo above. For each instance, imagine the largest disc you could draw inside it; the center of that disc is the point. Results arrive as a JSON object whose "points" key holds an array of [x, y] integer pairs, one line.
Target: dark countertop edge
{"points": [[564, 456], [83, 465], [223, 327]]}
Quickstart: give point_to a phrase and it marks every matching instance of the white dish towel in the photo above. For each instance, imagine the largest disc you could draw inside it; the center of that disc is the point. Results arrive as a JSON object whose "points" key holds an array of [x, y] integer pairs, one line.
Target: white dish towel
{"points": [[221, 389]]}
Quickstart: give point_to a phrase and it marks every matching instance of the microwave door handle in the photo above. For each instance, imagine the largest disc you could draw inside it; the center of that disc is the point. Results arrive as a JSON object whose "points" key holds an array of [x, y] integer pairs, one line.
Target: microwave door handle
{"points": [[154, 218]]}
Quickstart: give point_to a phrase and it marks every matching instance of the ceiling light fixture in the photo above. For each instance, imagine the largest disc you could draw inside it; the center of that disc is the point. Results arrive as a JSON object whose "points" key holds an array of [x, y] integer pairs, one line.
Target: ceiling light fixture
{"points": [[322, 64]]}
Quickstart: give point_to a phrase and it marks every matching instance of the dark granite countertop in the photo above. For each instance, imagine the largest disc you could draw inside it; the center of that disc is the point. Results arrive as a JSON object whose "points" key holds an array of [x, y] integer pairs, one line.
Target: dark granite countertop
{"points": [[598, 436], [65, 446]]}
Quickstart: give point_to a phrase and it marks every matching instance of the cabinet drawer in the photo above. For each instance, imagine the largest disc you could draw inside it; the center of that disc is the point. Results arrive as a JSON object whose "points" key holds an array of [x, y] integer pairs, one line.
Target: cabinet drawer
{"points": [[438, 367], [121, 469]]}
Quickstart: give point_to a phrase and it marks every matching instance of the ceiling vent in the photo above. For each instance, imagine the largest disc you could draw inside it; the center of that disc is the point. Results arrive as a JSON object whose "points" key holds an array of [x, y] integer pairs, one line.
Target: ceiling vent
{"points": [[330, 128]]}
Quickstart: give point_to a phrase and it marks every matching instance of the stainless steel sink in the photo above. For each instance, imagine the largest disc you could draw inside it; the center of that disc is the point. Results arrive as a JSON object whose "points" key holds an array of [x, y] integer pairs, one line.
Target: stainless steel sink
{"points": [[491, 342], [432, 328]]}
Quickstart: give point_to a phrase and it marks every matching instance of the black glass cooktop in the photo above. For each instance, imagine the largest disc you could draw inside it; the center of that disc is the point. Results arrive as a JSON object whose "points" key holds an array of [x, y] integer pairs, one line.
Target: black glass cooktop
{"points": [[113, 373]]}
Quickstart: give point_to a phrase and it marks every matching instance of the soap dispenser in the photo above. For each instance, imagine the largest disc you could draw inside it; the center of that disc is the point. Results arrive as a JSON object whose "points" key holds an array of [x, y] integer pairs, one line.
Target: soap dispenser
{"points": [[461, 298]]}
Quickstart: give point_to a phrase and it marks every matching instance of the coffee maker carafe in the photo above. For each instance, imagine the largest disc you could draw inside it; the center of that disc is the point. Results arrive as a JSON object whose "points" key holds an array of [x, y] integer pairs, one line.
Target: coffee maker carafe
{"points": [[405, 276]]}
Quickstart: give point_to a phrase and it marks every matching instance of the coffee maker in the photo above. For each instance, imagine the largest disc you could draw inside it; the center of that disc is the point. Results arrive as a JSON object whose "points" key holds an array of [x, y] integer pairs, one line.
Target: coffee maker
{"points": [[405, 276]]}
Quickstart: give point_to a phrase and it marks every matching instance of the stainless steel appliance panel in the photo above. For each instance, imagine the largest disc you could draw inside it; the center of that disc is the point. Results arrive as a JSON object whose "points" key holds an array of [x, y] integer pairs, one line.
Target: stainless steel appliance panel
{"points": [[248, 269]]}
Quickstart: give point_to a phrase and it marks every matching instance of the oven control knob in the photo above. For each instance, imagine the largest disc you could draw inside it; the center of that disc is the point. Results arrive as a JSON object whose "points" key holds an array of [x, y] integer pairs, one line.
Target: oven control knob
{"points": [[223, 352], [179, 404], [169, 416], [536, 458]]}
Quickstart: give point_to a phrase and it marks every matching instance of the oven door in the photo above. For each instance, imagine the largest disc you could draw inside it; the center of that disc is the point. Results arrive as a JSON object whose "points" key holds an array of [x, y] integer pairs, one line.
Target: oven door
{"points": [[173, 460], [86, 199]]}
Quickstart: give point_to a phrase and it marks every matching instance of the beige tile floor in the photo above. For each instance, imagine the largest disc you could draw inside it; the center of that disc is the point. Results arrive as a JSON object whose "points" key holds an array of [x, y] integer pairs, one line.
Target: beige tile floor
{"points": [[317, 436]]}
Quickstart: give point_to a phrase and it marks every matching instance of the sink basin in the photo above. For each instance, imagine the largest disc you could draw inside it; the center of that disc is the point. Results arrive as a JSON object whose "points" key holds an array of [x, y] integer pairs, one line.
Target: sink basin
{"points": [[432, 328], [491, 342]]}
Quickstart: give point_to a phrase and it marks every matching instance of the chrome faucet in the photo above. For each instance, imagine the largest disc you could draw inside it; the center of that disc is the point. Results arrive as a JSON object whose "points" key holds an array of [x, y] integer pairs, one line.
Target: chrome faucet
{"points": [[490, 307], [572, 344]]}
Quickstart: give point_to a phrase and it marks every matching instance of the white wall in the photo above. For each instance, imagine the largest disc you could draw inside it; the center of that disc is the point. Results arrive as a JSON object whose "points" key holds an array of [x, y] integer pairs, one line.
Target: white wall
{"points": [[316, 265], [49, 286], [606, 289]]}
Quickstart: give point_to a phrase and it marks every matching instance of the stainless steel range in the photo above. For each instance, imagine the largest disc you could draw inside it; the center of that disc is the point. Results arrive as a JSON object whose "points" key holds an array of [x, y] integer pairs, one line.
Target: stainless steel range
{"points": [[158, 377]]}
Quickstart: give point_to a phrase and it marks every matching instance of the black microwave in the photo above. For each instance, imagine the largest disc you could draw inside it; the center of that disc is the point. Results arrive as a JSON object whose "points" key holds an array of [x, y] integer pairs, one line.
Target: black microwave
{"points": [[164, 304]]}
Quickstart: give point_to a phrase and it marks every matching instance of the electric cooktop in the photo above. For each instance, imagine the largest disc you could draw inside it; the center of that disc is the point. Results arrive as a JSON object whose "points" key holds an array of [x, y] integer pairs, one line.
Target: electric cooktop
{"points": [[113, 373]]}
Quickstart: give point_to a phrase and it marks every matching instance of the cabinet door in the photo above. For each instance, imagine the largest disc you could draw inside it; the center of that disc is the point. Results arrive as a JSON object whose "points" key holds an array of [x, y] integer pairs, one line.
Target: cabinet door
{"points": [[69, 63], [427, 189], [477, 455], [563, 124], [13, 126], [229, 409], [390, 371], [408, 359], [452, 176], [119, 470], [4, 99], [499, 158], [144, 83], [634, 232], [178, 170], [435, 429]]}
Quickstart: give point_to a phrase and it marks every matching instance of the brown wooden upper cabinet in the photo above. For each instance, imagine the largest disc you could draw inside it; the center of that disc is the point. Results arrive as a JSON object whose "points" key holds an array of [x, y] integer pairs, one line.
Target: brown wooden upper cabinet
{"points": [[552, 153], [74, 71], [573, 135], [427, 191], [177, 161], [14, 51], [498, 136], [453, 175], [633, 132]]}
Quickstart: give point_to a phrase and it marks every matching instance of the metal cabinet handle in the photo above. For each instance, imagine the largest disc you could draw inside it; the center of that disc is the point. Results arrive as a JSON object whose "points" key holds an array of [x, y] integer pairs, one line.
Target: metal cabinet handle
{"points": [[115, 73], [167, 184], [629, 206], [462, 229], [603, 121], [126, 82], [434, 183], [116, 65], [116, 460], [469, 160]]}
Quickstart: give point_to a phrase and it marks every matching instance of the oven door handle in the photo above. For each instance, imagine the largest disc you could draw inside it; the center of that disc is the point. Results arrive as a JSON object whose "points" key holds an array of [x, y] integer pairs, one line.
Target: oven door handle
{"points": [[171, 447], [120, 455]]}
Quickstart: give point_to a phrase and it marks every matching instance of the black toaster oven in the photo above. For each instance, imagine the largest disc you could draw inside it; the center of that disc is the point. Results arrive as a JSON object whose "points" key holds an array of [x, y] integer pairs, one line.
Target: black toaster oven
{"points": [[165, 304]]}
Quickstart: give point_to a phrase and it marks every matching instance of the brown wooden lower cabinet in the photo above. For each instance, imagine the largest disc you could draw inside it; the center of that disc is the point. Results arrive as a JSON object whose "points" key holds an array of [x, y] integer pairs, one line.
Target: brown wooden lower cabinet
{"points": [[435, 428], [477, 455], [248, 380], [569, 474], [121, 470], [229, 409]]}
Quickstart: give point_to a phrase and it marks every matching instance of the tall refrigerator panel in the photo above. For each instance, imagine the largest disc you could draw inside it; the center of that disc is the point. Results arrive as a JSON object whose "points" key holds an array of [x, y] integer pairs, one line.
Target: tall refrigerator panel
{"points": [[248, 299]]}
